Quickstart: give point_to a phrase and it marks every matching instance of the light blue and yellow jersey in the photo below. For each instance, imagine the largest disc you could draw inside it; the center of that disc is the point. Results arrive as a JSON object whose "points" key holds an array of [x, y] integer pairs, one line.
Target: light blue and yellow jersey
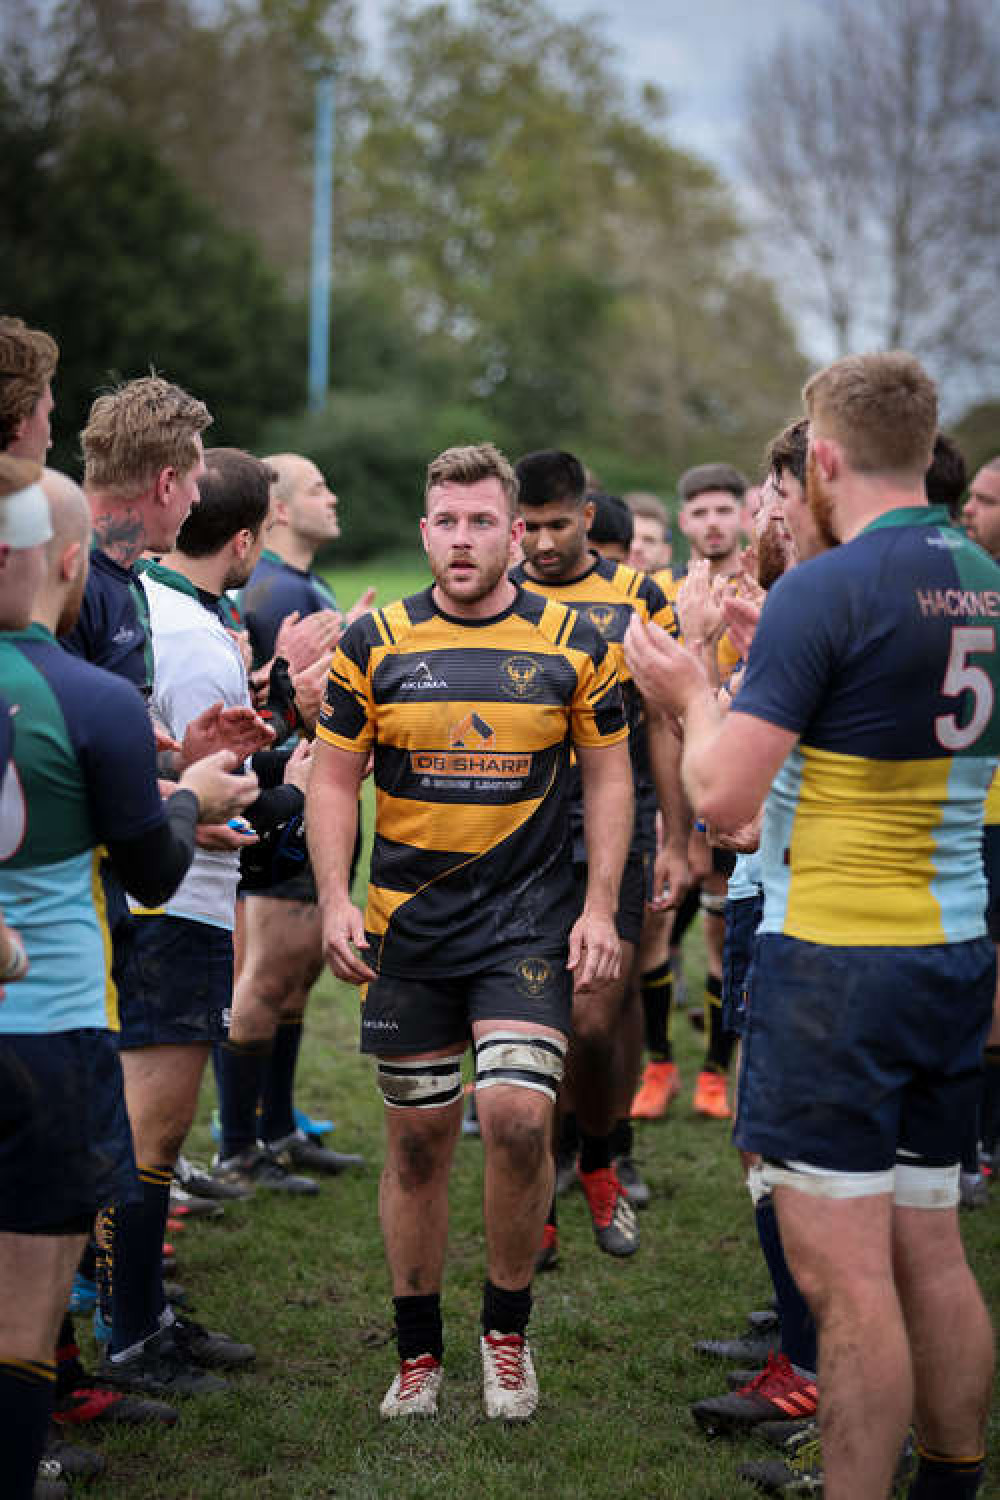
{"points": [[81, 773], [881, 656]]}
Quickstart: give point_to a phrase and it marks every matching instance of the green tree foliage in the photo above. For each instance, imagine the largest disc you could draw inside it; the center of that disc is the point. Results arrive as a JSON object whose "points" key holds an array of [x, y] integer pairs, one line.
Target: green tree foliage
{"points": [[586, 275], [519, 252], [113, 254]]}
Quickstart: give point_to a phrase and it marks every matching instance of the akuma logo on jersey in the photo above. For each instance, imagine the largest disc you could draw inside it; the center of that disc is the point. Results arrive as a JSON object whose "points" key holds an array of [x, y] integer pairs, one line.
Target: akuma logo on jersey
{"points": [[472, 733], [602, 617], [521, 677], [533, 975], [423, 680]]}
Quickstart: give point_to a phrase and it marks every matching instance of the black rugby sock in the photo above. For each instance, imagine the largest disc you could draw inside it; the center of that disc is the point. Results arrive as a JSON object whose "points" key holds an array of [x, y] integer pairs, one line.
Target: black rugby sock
{"points": [[657, 992], [277, 1111], [419, 1329], [989, 1114], [940, 1478], [595, 1152], [719, 1053], [506, 1311], [27, 1391]]}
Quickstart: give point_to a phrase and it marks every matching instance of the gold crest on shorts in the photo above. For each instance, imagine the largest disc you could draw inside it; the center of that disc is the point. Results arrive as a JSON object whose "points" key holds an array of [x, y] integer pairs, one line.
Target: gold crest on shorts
{"points": [[533, 975]]}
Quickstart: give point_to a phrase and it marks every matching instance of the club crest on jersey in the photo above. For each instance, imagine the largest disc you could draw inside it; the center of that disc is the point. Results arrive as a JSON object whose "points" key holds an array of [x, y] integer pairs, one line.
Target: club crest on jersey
{"points": [[521, 677], [472, 733], [533, 975], [602, 617]]}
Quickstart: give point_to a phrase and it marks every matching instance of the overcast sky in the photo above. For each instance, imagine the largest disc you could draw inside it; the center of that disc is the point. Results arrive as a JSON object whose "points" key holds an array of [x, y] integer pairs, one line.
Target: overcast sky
{"points": [[696, 50]]}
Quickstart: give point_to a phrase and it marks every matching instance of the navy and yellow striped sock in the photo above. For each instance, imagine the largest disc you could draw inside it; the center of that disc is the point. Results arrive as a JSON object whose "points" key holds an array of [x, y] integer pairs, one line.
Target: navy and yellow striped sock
{"points": [[27, 1392], [939, 1477], [720, 1041], [657, 992], [137, 1261]]}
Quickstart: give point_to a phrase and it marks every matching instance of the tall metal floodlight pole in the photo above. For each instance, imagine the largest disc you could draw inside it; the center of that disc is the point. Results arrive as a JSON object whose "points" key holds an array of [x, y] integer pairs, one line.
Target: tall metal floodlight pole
{"points": [[322, 245]]}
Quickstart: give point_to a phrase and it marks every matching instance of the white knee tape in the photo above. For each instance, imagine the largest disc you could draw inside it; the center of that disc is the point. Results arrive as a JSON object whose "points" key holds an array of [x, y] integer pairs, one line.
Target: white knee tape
{"points": [[519, 1060], [425, 1084]]}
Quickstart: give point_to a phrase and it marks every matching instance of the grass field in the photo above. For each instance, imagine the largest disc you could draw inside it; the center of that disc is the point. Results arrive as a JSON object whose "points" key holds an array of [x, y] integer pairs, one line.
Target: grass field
{"points": [[305, 1281]]}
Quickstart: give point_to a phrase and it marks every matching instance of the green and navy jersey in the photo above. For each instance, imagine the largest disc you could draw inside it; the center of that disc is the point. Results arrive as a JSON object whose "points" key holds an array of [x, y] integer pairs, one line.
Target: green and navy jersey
{"points": [[881, 656], [82, 773], [472, 724], [112, 630], [275, 590], [607, 595]]}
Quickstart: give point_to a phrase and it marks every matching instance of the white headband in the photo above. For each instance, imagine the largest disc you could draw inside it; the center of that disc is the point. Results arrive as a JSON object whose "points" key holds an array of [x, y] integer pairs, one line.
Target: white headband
{"points": [[24, 518]]}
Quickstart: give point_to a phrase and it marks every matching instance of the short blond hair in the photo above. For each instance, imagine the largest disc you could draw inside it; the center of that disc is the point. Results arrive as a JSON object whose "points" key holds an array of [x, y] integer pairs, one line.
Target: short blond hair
{"points": [[881, 408], [138, 430], [469, 466], [28, 359]]}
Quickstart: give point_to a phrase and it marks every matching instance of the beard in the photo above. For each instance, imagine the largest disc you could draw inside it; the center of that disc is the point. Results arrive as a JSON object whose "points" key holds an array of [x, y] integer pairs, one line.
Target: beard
{"points": [[475, 585], [820, 503], [774, 555]]}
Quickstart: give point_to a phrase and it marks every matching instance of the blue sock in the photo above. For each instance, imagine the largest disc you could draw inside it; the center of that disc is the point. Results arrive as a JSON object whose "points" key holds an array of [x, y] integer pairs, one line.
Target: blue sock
{"points": [[137, 1261], [241, 1069], [277, 1116], [940, 1478], [798, 1331], [27, 1391]]}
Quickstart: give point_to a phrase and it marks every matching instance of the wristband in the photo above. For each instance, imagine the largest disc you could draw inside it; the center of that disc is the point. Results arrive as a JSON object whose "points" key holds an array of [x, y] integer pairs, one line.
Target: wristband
{"points": [[17, 963]]}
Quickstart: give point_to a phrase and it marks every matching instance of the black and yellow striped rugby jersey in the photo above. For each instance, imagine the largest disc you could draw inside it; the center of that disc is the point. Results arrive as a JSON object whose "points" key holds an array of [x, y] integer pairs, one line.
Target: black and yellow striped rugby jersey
{"points": [[607, 595], [471, 723]]}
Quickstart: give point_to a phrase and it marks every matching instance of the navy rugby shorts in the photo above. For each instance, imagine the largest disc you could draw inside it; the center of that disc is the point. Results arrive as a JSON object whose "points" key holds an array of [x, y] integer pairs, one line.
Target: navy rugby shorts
{"points": [[852, 1055], [176, 983], [65, 1142], [403, 1016]]}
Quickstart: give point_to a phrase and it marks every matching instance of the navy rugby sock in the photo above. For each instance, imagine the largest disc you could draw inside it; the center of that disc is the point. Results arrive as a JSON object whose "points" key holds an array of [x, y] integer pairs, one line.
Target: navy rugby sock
{"points": [[798, 1331], [240, 1071], [940, 1478], [27, 1391], [657, 992], [419, 1329], [277, 1113], [137, 1261]]}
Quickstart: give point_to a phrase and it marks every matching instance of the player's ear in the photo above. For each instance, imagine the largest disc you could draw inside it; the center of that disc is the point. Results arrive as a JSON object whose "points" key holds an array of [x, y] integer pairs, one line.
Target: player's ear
{"points": [[827, 456], [69, 563]]}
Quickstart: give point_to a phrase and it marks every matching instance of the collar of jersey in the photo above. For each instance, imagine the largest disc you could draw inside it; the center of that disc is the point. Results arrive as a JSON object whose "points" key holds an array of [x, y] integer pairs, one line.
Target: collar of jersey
{"points": [[36, 631], [910, 515], [474, 624], [171, 579], [563, 583], [279, 562]]}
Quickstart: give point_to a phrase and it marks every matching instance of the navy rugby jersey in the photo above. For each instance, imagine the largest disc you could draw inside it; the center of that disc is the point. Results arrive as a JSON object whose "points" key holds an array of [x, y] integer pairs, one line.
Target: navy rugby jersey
{"points": [[881, 656], [276, 590], [607, 594], [472, 723], [113, 627], [82, 773]]}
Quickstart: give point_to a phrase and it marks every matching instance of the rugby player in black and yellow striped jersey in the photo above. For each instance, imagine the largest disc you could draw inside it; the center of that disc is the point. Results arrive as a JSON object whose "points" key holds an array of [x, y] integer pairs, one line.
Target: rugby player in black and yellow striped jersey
{"points": [[471, 697], [560, 566]]}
